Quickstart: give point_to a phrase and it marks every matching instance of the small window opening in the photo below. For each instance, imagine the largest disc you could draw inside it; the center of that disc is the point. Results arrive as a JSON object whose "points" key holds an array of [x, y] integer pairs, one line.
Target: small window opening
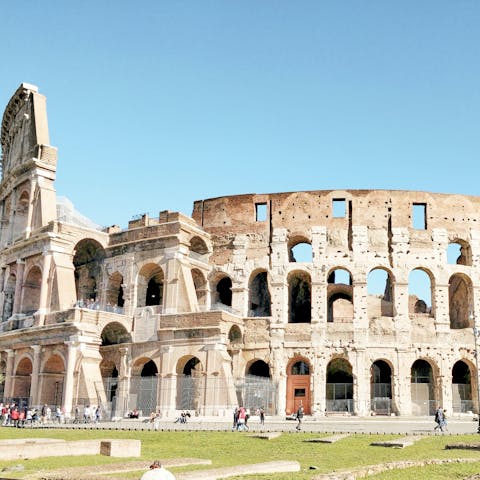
{"points": [[419, 216], [261, 212], [339, 208]]}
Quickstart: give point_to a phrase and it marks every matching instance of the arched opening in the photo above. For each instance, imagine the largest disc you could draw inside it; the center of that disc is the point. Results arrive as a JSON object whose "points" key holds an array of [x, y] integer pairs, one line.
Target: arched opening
{"points": [[189, 383], [88, 259], [200, 284], [380, 294], [461, 388], [258, 391], [150, 286], [31, 291], [224, 291], [381, 388], [339, 386], [259, 296], [21, 213], [115, 300], [339, 296], [298, 386], [198, 247], [299, 295], [259, 368], [300, 250], [419, 292], [115, 333], [9, 297], [52, 377], [22, 382], [109, 374], [143, 386], [460, 296], [459, 253], [422, 385], [235, 334]]}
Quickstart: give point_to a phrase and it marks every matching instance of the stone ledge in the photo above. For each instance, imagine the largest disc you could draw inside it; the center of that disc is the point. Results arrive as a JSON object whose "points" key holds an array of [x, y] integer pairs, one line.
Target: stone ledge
{"points": [[369, 470], [266, 435], [398, 443], [331, 439], [463, 446], [61, 448]]}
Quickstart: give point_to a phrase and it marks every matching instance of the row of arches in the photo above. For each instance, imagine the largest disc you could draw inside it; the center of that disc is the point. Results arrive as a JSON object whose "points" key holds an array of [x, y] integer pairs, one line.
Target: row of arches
{"points": [[458, 251]]}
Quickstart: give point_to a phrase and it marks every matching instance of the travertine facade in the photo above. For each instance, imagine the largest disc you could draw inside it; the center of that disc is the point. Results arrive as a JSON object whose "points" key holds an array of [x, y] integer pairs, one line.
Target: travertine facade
{"points": [[267, 300]]}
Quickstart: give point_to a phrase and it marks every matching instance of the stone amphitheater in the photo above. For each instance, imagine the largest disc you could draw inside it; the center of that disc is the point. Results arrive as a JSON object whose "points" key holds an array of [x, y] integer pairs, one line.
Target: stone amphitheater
{"points": [[349, 301]]}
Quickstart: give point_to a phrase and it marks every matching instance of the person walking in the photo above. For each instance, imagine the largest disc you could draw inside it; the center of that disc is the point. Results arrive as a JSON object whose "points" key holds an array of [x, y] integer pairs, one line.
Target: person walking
{"points": [[299, 418], [262, 416], [439, 419]]}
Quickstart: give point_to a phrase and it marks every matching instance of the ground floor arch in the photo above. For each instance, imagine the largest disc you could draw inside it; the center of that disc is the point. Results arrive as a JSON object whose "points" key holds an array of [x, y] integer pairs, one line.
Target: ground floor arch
{"points": [[22, 381], [190, 384], [462, 401], [143, 386], [339, 391], [381, 388], [422, 388], [52, 380], [298, 386]]}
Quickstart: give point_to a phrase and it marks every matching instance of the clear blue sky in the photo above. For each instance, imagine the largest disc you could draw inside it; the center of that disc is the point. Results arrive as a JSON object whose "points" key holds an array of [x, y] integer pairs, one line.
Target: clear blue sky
{"points": [[154, 104]]}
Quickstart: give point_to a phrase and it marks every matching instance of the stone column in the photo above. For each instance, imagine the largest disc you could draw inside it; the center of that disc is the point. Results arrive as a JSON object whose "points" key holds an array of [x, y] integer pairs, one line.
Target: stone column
{"points": [[361, 383], [279, 368], [45, 288], [2, 289], [402, 389], [7, 391], [442, 314], [129, 286], [33, 184], [34, 391], [17, 307], [319, 383], [402, 317], [171, 281], [124, 376], [445, 399], [360, 317], [73, 346], [11, 220]]}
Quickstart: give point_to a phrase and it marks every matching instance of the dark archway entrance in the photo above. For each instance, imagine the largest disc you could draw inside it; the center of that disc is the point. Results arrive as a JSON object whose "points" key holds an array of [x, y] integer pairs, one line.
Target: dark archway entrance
{"points": [[339, 386], [381, 388], [461, 388], [423, 398]]}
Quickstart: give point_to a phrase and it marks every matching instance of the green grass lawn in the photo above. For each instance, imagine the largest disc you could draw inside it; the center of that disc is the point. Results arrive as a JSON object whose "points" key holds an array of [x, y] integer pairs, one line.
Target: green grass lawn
{"points": [[235, 448]]}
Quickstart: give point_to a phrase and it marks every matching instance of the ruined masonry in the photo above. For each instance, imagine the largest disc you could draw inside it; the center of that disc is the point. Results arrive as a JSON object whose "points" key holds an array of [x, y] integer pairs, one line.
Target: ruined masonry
{"points": [[353, 302]]}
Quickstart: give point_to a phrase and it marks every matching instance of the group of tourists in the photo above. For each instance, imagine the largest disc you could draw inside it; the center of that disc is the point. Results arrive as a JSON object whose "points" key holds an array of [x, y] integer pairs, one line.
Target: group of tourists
{"points": [[182, 418]]}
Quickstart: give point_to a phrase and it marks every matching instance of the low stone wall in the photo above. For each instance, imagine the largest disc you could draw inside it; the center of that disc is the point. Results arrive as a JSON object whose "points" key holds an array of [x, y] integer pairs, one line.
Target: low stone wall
{"points": [[44, 447]]}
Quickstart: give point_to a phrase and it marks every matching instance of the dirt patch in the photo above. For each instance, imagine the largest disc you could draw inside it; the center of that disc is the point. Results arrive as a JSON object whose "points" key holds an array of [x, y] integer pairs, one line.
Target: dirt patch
{"points": [[93, 472]]}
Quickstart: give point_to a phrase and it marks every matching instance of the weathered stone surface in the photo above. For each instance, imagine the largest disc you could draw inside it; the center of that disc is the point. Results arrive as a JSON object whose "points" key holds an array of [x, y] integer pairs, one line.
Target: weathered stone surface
{"points": [[330, 439], [397, 443], [254, 285]]}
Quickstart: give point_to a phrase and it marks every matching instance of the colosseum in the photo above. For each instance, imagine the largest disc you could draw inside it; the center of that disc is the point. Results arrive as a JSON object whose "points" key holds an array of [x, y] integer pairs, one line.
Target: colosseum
{"points": [[264, 300]]}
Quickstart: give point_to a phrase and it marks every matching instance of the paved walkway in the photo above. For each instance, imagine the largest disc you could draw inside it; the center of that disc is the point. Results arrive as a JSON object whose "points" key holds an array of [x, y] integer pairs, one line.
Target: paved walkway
{"points": [[397, 425]]}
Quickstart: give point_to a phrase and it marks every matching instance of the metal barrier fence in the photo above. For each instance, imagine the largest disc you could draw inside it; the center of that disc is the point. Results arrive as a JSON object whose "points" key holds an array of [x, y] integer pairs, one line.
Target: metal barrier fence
{"points": [[195, 393]]}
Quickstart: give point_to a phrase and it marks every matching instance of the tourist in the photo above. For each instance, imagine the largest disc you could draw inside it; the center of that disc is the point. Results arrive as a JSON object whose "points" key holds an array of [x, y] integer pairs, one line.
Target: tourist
{"points": [[157, 472], [439, 419], [261, 413], [299, 418]]}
